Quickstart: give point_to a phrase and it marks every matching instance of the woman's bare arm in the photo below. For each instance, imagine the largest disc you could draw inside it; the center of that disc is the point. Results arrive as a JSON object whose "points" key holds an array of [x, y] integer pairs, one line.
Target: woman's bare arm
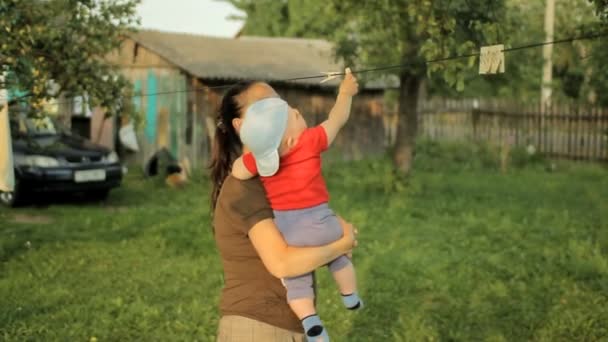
{"points": [[283, 260]]}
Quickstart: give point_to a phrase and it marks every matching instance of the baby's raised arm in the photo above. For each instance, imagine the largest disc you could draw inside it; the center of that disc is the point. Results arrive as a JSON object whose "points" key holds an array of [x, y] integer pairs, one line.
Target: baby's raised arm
{"points": [[338, 116]]}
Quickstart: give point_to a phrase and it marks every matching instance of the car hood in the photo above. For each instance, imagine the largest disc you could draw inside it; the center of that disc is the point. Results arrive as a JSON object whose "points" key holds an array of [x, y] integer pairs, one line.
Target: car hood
{"points": [[59, 145]]}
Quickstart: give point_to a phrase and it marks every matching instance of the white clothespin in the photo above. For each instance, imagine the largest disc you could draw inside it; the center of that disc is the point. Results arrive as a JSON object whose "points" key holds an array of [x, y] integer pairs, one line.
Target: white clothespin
{"points": [[330, 75], [492, 59]]}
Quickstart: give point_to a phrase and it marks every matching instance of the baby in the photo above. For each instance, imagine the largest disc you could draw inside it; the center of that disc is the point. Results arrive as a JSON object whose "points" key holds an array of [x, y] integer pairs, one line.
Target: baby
{"points": [[287, 156]]}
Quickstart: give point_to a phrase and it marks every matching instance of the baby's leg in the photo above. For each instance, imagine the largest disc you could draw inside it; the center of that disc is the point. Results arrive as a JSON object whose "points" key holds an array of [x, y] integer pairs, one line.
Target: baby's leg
{"points": [[300, 296], [315, 226], [344, 274]]}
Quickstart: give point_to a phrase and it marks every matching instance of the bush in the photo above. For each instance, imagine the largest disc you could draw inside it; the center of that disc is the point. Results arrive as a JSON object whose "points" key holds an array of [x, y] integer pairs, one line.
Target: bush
{"points": [[460, 156], [522, 157], [453, 156]]}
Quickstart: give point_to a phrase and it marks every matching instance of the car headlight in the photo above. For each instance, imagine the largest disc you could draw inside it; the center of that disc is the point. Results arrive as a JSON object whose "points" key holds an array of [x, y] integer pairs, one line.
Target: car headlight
{"points": [[111, 158], [37, 161]]}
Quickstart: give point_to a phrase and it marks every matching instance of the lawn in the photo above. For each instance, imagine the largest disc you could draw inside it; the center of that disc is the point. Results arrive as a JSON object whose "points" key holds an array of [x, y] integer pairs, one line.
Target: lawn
{"points": [[456, 252]]}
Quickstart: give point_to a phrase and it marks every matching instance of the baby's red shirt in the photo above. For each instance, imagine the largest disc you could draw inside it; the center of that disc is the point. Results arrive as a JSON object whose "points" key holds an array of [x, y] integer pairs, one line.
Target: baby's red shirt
{"points": [[299, 183]]}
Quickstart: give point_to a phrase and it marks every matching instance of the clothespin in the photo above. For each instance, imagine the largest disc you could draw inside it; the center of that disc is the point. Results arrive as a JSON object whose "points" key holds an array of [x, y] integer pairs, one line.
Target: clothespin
{"points": [[330, 75], [492, 59]]}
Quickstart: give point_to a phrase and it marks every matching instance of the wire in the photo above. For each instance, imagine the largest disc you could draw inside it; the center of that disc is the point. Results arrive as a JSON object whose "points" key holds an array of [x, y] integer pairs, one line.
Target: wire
{"points": [[376, 69], [568, 40]]}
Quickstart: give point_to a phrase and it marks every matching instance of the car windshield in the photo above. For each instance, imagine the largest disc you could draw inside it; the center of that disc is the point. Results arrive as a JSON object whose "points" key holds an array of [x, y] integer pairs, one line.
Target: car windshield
{"points": [[34, 126]]}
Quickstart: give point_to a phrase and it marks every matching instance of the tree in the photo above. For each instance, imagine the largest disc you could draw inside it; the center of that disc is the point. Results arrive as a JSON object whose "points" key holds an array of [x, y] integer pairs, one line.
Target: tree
{"points": [[50, 47], [291, 18], [386, 33], [574, 18], [600, 81], [413, 32], [577, 66], [602, 8]]}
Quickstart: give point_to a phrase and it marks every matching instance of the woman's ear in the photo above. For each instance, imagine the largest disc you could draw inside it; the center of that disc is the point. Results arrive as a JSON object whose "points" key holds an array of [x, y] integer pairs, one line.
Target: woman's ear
{"points": [[236, 123]]}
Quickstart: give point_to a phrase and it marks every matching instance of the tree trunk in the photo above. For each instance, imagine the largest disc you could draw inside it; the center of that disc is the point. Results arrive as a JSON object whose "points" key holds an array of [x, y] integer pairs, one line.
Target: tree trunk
{"points": [[407, 125]]}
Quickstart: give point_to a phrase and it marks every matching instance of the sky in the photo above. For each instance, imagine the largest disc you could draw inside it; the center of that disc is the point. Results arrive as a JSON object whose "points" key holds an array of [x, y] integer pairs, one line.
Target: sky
{"points": [[207, 17]]}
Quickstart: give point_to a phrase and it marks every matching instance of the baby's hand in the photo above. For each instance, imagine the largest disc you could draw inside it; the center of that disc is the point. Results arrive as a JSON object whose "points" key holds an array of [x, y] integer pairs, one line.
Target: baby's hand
{"points": [[349, 85]]}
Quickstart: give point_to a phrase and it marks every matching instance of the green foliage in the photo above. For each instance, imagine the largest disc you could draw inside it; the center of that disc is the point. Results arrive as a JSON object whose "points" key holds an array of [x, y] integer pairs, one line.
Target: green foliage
{"points": [[572, 68], [453, 252], [264, 18], [399, 31], [432, 156], [601, 8], [599, 80], [384, 33], [577, 74], [292, 18], [408, 32], [391, 32], [574, 76], [57, 46]]}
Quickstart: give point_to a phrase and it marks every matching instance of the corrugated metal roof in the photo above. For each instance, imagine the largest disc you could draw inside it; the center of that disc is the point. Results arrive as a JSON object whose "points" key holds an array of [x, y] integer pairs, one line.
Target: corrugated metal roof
{"points": [[266, 59], [244, 58]]}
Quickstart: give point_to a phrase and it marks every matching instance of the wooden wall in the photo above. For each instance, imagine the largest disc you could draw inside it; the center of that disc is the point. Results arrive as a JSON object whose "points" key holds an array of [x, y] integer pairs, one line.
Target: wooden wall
{"points": [[169, 111], [365, 135], [185, 121], [362, 136]]}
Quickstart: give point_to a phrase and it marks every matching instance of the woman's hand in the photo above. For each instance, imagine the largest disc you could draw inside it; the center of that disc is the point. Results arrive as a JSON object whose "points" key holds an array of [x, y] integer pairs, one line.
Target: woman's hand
{"points": [[282, 260], [349, 237]]}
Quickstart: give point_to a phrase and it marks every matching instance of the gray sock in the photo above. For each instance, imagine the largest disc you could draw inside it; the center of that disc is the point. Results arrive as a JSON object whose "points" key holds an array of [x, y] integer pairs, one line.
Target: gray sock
{"points": [[352, 301], [314, 330]]}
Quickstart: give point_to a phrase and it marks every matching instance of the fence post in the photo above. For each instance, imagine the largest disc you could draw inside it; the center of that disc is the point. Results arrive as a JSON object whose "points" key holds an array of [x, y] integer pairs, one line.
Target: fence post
{"points": [[604, 135], [475, 120], [517, 123], [568, 134], [578, 151], [539, 117], [594, 133], [587, 134], [549, 117], [577, 127]]}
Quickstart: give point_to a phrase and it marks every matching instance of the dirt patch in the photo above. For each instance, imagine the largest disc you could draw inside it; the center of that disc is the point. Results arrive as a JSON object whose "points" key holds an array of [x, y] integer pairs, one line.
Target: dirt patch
{"points": [[24, 218]]}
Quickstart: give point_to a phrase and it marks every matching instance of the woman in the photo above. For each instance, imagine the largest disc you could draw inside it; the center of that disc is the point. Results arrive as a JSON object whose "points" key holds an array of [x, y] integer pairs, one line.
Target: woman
{"points": [[253, 302]]}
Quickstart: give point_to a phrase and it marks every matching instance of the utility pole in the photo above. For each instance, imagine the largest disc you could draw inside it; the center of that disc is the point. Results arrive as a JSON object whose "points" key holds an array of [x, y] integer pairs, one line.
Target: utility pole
{"points": [[7, 175], [545, 96]]}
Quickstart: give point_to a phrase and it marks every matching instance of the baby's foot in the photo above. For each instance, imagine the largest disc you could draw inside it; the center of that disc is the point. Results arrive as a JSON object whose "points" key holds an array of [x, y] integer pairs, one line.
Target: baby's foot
{"points": [[352, 301], [313, 327]]}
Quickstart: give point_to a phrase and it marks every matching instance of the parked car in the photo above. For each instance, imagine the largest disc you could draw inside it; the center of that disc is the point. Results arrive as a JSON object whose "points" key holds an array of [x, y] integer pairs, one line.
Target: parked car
{"points": [[48, 158]]}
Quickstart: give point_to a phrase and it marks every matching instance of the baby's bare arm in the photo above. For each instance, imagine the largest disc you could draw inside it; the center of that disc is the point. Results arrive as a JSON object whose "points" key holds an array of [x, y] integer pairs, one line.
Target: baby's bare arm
{"points": [[341, 111], [239, 170]]}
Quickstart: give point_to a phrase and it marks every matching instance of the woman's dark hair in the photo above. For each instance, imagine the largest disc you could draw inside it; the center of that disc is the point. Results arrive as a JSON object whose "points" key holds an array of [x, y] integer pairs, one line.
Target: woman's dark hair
{"points": [[227, 145]]}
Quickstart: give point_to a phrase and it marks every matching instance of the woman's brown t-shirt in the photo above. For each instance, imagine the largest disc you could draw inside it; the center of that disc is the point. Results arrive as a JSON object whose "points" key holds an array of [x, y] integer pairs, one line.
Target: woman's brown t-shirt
{"points": [[249, 290]]}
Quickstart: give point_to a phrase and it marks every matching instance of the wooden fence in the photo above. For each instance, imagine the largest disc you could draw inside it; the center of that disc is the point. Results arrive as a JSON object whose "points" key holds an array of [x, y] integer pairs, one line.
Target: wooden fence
{"points": [[562, 131]]}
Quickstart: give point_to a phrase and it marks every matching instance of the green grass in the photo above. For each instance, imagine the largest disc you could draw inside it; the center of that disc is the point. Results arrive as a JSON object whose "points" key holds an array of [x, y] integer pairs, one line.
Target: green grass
{"points": [[456, 252]]}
